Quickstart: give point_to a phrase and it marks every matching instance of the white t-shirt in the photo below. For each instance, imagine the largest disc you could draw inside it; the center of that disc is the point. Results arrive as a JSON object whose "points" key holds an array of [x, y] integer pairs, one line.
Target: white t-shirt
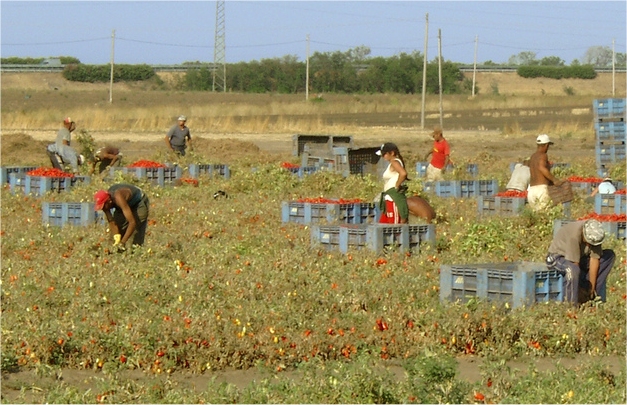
{"points": [[606, 188]]}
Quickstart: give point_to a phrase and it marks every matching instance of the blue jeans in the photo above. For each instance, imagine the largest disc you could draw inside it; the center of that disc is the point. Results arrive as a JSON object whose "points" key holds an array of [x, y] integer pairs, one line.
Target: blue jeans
{"points": [[576, 275]]}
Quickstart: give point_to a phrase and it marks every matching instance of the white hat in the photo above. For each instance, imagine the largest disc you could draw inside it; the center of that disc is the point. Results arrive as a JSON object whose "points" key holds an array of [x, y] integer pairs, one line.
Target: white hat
{"points": [[81, 159], [593, 232], [543, 139], [182, 118]]}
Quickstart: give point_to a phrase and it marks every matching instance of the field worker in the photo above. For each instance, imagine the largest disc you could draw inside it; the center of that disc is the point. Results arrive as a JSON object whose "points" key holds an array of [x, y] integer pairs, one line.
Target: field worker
{"points": [[64, 136], [520, 177], [130, 217], [541, 177], [440, 156], [64, 154], [179, 136], [393, 202], [104, 158], [576, 253], [604, 187]]}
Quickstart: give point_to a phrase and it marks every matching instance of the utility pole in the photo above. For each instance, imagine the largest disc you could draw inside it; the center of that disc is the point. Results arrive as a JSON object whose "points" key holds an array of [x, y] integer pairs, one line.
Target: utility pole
{"points": [[111, 76], [474, 69], [424, 75], [219, 50], [307, 72], [613, 68], [440, 75]]}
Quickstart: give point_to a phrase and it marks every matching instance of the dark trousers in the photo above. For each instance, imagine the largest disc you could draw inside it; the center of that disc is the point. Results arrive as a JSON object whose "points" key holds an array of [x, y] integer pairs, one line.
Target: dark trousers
{"points": [[141, 219], [179, 149], [576, 276]]}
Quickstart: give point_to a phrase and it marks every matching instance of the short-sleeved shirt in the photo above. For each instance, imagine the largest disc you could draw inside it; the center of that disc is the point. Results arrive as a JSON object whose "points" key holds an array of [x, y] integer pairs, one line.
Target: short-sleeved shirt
{"points": [[64, 134], [568, 242], [136, 193], [606, 188], [177, 136], [440, 150], [520, 178]]}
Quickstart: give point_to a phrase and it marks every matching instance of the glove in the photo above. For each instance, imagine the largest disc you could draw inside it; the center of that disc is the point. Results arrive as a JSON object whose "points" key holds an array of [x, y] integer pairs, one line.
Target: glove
{"points": [[117, 238]]}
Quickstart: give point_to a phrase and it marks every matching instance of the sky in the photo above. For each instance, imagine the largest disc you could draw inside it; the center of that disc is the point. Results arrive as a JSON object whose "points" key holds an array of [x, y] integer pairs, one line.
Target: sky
{"points": [[174, 32]]}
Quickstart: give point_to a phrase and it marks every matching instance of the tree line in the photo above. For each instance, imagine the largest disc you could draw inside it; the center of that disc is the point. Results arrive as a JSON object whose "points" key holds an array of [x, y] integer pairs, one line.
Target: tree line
{"points": [[353, 71]]}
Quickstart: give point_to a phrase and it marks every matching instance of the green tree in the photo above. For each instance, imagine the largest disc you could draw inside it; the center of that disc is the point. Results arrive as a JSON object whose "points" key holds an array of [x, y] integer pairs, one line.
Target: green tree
{"points": [[598, 56], [526, 58], [552, 61]]}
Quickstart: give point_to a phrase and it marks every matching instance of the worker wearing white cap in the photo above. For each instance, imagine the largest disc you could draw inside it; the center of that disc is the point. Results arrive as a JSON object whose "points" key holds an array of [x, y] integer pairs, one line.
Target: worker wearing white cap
{"points": [[541, 177], [179, 136]]}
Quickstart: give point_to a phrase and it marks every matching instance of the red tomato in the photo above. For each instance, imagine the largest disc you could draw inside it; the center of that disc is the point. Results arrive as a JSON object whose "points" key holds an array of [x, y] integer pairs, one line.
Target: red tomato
{"points": [[48, 172], [147, 164]]}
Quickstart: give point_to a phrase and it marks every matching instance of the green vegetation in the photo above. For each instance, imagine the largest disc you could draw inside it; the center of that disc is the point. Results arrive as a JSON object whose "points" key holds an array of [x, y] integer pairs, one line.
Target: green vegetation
{"points": [[223, 283], [558, 72], [102, 73]]}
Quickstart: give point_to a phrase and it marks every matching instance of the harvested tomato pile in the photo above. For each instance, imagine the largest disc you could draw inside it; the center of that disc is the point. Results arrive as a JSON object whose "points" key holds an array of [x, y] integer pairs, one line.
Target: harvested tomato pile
{"points": [[288, 165], [605, 217], [580, 179], [621, 191], [49, 172], [512, 193], [320, 200], [193, 182], [147, 164]]}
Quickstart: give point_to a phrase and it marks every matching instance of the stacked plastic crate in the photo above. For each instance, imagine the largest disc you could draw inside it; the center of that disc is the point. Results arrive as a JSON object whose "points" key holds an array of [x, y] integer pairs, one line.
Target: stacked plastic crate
{"points": [[609, 125]]}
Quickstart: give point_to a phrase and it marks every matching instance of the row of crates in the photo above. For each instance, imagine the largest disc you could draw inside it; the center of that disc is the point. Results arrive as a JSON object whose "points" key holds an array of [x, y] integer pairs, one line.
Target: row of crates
{"points": [[374, 237], [616, 229], [40, 185], [163, 176], [507, 206], [63, 213], [209, 170], [518, 284], [316, 213], [303, 171], [470, 168], [462, 188], [346, 160], [608, 154]]}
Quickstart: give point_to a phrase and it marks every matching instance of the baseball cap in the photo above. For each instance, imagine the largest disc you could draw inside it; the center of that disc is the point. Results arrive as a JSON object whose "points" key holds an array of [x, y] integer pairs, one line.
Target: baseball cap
{"points": [[81, 159], [386, 147], [100, 198], [182, 118], [593, 232], [67, 120], [543, 139]]}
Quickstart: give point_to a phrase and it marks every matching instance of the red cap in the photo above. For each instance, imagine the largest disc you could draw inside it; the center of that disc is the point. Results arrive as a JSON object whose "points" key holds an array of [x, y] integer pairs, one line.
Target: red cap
{"points": [[100, 198], [68, 120]]}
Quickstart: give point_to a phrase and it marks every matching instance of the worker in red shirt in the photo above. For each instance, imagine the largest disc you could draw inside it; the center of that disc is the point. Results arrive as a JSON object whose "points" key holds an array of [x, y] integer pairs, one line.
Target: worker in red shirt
{"points": [[440, 156]]}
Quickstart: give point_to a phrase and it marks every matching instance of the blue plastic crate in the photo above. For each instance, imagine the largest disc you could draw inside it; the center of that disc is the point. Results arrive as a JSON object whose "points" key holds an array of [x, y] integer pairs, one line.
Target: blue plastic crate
{"points": [[610, 203], [617, 229], [421, 169], [474, 188], [518, 284], [375, 237], [300, 141], [312, 213], [610, 131], [161, 176], [447, 188], [5, 171], [491, 205], [210, 170], [612, 108], [610, 153], [40, 185], [59, 213]]}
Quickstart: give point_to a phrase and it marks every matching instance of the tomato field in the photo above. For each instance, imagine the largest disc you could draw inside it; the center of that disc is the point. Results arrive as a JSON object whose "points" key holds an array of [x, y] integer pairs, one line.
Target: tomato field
{"points": [[222, 283]]}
